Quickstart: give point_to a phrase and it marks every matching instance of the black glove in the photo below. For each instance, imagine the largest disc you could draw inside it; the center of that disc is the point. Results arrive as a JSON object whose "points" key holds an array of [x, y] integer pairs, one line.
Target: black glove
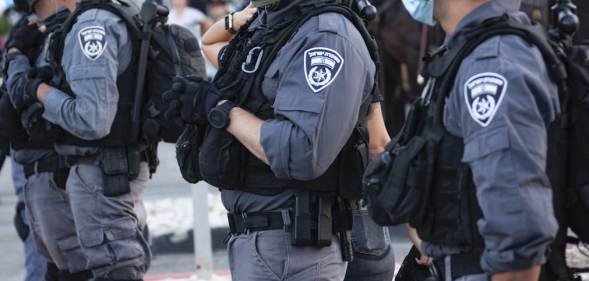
{"points": [[27, 94], [38, 129], [191, 98], [25, 36]]}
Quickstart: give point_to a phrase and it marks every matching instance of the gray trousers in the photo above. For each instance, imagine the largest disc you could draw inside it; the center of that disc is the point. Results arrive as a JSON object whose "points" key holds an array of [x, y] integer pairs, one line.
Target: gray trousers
{"points": [[50, 217], [81, 229], [269, 255]]}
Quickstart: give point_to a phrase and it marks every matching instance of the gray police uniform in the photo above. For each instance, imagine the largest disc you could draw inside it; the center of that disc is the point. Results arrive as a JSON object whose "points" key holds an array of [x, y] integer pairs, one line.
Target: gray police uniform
{"points": [[48, 211], [505, 145], [109, 229], [35, 264], [318, 117]]}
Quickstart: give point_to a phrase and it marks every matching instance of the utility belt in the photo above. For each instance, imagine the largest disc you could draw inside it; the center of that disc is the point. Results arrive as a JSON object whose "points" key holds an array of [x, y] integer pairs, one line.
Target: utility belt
{"points": [[55, 164], [119, 166], [312, 221], [459, 265]]}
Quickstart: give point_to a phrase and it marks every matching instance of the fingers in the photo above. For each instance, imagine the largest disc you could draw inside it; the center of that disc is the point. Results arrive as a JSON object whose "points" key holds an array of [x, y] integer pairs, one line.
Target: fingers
{"points": [[424, 260], [170, 96]]}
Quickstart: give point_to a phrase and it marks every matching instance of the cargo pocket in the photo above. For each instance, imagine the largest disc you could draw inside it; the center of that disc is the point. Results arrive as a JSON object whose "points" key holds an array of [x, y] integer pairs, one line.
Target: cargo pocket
{"points": [[368, 238], [122, 238], [73, 254], [109, 244]]}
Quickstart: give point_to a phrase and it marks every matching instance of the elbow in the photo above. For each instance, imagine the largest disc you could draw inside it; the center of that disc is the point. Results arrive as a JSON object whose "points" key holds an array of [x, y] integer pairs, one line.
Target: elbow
{"points": [[311, 169]]}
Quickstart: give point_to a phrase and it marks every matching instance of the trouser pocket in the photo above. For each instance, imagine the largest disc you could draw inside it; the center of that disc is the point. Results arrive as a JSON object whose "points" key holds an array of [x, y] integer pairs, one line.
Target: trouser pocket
{"points": [[368, 238]]}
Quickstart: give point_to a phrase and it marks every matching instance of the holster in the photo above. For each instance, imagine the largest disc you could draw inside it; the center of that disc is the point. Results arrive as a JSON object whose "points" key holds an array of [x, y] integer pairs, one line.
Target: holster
{"points": [[119, 167]]}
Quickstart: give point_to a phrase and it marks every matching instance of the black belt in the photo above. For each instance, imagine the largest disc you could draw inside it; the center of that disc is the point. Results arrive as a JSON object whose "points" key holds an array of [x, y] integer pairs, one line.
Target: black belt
{"points": [[260, 221], [46, 165], [461, 265]]}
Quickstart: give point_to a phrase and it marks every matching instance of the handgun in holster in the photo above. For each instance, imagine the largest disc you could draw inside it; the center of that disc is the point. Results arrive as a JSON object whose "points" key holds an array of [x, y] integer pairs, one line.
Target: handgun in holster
{"points": [[343, 221], [119, 167]]}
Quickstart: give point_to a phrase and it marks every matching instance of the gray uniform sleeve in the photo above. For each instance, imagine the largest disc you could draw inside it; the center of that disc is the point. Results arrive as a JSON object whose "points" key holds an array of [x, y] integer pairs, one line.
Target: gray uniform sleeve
{"points": [[320, 90], [503, 108], [91, 62], [17, 70]]}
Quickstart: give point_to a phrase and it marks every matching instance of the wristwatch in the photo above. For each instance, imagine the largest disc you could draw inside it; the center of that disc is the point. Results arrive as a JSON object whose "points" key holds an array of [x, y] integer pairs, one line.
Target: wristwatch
{"points": [[229, 23], [219, 115]]}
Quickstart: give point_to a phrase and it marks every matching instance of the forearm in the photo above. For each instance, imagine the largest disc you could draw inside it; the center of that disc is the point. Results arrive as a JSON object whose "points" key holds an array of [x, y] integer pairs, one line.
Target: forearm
{"points": [[212, 52], [216, 33], [213, 41], [379, 137], [79, 117], [532, 274], [412, 233], [247, 128], [16, 74]]}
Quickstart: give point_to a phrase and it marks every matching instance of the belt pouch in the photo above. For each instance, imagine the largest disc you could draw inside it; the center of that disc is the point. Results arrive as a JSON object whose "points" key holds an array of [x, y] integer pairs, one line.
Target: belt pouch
{"points": [[324, 221], [302, 230], [115, 170]]}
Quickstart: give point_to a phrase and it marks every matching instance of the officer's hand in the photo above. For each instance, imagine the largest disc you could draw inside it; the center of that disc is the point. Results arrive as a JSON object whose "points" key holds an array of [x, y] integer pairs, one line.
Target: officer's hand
{"points": [[26, 36], [27, 95], [192, 98], [424, 260], [242, 17], [36, 126]]}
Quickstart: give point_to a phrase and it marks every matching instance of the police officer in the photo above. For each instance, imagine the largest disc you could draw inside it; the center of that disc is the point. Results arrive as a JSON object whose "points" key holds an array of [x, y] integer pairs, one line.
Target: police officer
{"points": [[493, 217], [107, 175], [296, 79], [48, 210]]}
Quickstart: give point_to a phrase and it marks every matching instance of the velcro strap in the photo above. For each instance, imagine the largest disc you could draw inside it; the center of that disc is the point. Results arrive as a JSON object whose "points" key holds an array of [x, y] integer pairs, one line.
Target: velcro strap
{"points": [[252, 222]]}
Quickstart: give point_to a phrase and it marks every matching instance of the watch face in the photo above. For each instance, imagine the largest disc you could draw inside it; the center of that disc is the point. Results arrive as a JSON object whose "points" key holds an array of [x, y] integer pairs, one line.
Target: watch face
{"points": [[217, 118]]}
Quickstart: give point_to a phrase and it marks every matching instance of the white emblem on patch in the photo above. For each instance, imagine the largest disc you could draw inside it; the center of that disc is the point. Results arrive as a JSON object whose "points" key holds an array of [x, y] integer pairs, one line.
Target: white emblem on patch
{"points": [[322, 65], [484, 93], [92, 41]]}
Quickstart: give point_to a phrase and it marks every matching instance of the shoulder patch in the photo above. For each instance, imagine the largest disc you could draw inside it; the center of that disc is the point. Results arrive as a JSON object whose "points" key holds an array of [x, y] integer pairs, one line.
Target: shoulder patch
{"points": [[322, 65], [483, 94], [92, 41]]}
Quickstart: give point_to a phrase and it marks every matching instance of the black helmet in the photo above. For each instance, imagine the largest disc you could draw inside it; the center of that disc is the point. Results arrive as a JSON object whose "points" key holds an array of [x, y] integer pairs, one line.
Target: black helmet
{"points": [[24, 6]]}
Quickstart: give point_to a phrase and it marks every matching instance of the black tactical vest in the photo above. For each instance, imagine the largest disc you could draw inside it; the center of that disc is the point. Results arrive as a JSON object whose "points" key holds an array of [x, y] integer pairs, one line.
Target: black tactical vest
{"points": [[451, 216], [119, 132], [225, 163], [449, 210]]}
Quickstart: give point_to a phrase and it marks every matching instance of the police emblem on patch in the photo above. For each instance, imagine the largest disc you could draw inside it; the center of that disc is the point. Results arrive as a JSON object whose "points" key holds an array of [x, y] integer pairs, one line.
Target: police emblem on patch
{"points": [[92, 41], [484, 93], [322, 65]]}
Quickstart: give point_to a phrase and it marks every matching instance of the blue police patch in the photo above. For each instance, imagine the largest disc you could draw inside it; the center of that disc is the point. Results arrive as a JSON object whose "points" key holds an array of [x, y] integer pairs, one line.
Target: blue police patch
{"points": [[484, 93], [322, 65], [92, 41]]}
